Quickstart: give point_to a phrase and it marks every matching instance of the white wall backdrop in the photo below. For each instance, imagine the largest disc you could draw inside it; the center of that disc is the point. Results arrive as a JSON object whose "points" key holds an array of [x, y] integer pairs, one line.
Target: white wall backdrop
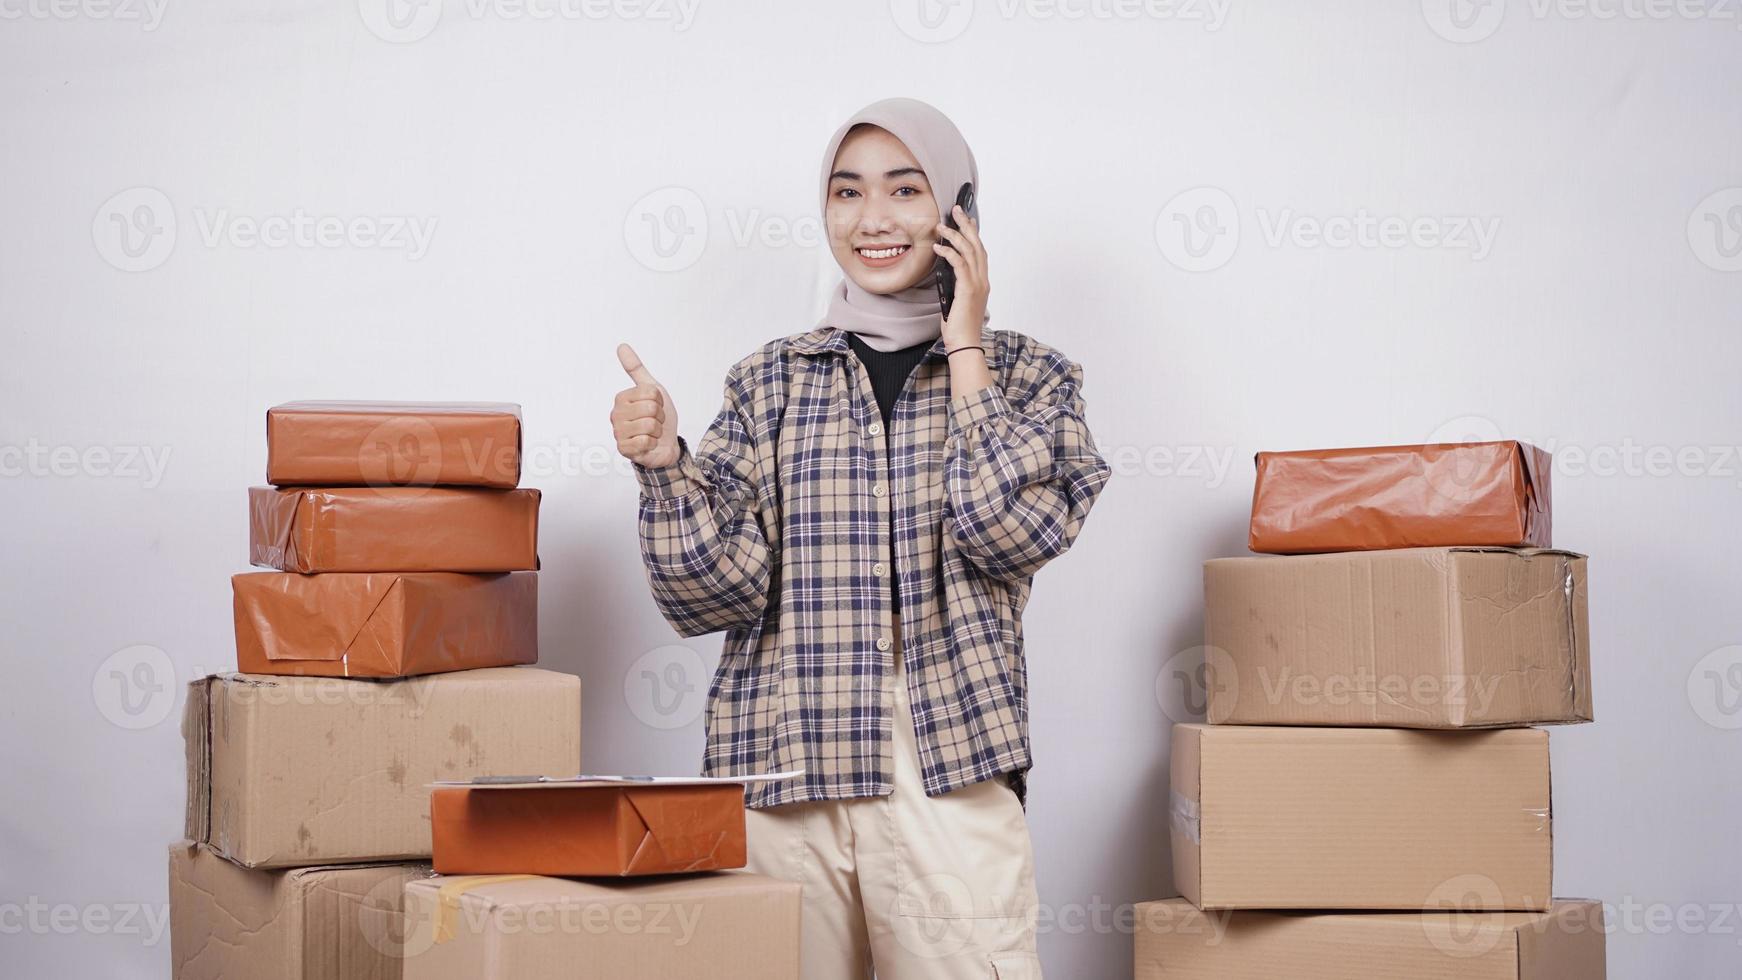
{"points": [[1258, 225]]}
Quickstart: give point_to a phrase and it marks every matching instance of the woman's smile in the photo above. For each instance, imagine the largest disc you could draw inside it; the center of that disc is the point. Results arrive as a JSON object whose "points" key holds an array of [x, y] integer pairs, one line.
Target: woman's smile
{"points": [[880, 256]]}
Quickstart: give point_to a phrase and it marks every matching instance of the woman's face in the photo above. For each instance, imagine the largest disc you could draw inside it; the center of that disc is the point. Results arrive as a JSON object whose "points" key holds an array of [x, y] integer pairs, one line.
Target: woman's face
{"points": [[881, 215]]}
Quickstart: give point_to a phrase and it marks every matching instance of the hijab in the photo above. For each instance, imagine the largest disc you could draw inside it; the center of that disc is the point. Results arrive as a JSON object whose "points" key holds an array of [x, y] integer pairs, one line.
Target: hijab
{"points": [[892, 321]]}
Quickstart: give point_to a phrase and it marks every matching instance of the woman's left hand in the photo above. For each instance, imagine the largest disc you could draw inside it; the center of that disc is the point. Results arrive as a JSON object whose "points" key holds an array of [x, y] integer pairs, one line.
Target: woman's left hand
{"points": [[968, 258]]}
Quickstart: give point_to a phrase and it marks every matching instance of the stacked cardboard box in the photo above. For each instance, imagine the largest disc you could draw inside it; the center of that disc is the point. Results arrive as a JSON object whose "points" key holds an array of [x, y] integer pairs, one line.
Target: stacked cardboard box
{"points": [[1369, 745], [387, 654]]}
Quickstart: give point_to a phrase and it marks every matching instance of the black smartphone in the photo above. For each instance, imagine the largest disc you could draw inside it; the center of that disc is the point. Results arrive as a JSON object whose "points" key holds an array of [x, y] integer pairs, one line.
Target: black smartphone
{"points": [[946, 273]]}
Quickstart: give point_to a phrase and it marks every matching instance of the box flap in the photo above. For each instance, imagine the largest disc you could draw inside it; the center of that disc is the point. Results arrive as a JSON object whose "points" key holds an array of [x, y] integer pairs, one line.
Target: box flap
{"points": [[196, 733]]}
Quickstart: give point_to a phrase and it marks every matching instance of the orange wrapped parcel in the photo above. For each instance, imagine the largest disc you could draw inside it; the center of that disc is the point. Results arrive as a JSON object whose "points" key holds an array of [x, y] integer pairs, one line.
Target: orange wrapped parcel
{"points": [[372, 443], [393, 529], [588, 826], [1457, 494], [384, 624]]}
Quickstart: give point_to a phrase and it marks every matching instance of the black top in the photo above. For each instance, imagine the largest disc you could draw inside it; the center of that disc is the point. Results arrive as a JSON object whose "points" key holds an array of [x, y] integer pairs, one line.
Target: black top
{"points": [[889, 372]]}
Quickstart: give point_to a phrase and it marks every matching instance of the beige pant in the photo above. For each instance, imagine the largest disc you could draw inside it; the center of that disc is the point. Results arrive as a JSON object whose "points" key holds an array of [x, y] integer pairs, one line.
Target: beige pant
{"points": [[927, 888]]}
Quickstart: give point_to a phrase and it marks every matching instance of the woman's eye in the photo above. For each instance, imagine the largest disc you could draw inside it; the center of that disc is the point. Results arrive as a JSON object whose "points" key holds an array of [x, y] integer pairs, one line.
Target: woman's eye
{"points": [[846, 192], [906, 191]]}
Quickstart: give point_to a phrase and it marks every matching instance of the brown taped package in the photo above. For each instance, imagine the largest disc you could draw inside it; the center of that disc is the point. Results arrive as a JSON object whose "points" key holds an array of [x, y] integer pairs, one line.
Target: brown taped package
{"points": [[393, 529], [332, 922], [383, 624], [349, 443], [588, 828], [1416, 638], [1478, 493], [1361, 818], [1176, 941], [290, 771], [727, 925]]}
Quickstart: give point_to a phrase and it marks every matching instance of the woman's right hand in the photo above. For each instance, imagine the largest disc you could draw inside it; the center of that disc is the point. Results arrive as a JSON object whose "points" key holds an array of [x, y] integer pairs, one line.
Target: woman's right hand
{"points": [[643, 419]]}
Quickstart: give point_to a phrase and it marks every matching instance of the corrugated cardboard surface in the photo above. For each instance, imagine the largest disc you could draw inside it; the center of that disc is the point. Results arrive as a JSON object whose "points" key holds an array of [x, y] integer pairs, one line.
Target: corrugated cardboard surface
{"points": [[289, 771], [1323, 500], [383, 624], [349, 443], [316, 923], [588, 830], [720, 926], [1176, 941], [393, 529], [1361, 818], [1417, 638]]}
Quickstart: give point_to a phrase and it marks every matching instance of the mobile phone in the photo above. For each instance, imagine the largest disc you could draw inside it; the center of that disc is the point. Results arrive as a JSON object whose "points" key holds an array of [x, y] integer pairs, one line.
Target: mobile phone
{"points": [[946, 273]]}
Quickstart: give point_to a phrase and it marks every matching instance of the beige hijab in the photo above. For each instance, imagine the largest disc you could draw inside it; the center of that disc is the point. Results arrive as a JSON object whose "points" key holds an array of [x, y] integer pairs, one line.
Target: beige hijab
{"points": [[896, 320]]}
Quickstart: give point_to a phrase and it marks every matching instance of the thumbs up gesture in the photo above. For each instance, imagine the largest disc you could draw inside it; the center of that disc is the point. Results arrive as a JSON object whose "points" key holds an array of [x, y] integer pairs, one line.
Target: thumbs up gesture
{"points": [[643, 419]]}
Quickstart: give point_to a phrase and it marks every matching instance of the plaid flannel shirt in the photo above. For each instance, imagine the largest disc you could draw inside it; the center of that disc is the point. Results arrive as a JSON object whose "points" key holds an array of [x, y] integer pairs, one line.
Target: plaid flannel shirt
{"points": [[778, 529]]}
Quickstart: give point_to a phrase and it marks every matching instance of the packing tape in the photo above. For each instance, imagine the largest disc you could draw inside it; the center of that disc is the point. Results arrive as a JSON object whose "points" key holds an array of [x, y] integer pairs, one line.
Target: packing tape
{"points": [[449, 894], [1184, 813]]}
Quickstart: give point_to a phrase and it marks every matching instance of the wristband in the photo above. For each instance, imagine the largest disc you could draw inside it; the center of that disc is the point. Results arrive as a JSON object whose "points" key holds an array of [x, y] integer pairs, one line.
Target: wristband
{"points": [[970, 347]]}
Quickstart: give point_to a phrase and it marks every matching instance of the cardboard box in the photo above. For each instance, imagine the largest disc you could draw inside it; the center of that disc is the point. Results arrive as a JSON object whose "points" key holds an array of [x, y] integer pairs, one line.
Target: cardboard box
{"points": [[1361, 818], [369, 443], [726, 925], [1176, 941], [1419, 638], [593, 827], [289, 771], [1479, 493], [322, 923], [384, 624], [393, 529]]}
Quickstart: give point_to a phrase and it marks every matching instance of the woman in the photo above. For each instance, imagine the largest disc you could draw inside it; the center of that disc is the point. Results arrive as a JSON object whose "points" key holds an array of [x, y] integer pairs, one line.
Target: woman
{"points": [[864, 518]]}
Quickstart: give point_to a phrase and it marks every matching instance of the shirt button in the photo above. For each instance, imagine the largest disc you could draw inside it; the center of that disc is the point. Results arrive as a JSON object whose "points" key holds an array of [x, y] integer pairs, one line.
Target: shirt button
{"points": [[883, 643], [877, 490], [875, 428], [878, 569]]}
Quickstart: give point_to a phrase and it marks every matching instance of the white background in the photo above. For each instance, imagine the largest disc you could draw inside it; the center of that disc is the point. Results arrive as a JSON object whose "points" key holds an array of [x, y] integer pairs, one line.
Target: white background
{"points": [[1600, 320]]}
